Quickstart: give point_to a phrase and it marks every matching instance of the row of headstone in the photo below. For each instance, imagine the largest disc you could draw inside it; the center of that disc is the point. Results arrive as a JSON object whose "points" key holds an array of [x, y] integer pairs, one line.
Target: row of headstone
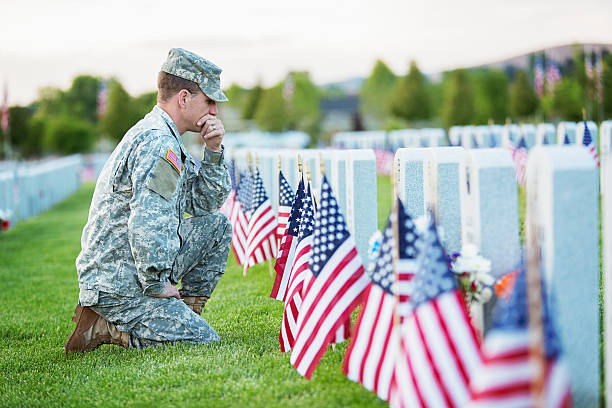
{"points": [[391, 140], [473, 196], [489, 136], [351, 173], [28, 189]]}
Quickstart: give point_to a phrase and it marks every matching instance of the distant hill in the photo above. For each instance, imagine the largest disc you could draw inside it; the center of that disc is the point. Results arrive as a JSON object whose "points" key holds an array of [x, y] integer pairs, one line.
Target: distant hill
{"points": [[562, 54]]}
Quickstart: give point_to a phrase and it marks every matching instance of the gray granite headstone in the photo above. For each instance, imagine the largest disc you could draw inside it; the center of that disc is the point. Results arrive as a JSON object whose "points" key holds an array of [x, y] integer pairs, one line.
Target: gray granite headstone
{"points": [[568, 128], [562, 209], [361, 209], [441, 192], [545, 134], [489, 207], [408, 179]]}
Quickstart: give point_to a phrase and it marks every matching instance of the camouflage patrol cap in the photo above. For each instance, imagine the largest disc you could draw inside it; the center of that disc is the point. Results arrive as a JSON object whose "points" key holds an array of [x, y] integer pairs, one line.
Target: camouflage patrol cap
{"points": [[187, 65]]}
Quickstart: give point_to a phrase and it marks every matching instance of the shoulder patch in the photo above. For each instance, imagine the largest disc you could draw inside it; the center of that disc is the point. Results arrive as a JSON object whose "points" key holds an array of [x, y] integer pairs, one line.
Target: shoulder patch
{"points": [[174, 160], [164, 179]]}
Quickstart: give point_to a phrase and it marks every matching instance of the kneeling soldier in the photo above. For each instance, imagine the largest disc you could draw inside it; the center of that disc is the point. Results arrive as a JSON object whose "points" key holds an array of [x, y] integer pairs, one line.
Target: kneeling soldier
{"points": [[137, 244]]}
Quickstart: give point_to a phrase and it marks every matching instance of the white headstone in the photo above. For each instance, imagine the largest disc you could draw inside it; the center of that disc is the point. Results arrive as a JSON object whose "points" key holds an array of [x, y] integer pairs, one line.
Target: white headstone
{"points": [[562, 205], [454, 135], [489, 207], [441, 192], [545, 134], [566, 128], [528, 131], [509, 135], [361, 210], [408, 179], [605, 153], [606, 228]]}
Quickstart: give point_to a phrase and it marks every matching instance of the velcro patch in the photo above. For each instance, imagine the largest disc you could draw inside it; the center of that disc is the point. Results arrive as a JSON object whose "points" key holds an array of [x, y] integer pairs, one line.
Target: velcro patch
{"points": [[174, 160], [164, 179]]}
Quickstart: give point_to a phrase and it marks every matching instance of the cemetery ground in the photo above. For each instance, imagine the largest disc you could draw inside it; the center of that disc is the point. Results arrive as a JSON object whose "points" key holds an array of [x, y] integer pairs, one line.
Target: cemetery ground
{"points": [[38, 295]]}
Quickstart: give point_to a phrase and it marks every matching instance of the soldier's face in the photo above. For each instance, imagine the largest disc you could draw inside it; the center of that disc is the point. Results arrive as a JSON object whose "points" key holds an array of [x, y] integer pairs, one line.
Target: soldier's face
{"points": [[198, 106]]}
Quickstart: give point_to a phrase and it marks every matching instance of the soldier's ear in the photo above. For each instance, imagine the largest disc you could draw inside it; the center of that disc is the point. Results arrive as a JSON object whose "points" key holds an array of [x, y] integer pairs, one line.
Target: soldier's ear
{"points": [[183, 95]]}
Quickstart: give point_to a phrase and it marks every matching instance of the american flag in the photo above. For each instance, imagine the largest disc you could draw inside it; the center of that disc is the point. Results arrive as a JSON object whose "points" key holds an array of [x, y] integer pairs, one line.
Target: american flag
{"points": [[566, 140], [102, 98], [588, 65], [5, 110], [439, 351], [538, 77], [338, 285], [299, 270], [285, 197], [587, 141], [228, 205], [261, 236], [286, 254], [406, 265], [370, 357], [240, 219], [384, 161], [519, 156], [553, 75], [506, 377]]}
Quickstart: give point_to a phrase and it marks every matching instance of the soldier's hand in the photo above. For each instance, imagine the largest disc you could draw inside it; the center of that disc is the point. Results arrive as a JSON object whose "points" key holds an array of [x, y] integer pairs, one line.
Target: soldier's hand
{"points": [[169, 291], [212, 132]]}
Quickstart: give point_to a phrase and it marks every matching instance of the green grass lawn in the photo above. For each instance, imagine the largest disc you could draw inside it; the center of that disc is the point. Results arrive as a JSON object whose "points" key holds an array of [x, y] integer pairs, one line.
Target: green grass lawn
{"points": [[38, 295]]}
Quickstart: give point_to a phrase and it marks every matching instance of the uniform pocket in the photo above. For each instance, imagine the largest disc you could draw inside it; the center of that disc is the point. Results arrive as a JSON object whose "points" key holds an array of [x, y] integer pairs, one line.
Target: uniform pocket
{"points": [[164, 179]]}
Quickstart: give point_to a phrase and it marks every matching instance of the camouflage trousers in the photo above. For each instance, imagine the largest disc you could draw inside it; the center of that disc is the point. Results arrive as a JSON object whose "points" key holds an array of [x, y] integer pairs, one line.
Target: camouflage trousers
{"points": [[199, 265]]}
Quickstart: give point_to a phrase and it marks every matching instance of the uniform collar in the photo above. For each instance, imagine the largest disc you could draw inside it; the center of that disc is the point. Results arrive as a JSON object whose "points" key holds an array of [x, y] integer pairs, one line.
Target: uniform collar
{"points": [[168, 120]]}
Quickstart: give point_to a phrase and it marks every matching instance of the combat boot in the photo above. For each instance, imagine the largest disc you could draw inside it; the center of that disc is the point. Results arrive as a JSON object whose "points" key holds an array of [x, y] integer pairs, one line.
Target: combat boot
{"points": [[91, 331], [195, 303]]}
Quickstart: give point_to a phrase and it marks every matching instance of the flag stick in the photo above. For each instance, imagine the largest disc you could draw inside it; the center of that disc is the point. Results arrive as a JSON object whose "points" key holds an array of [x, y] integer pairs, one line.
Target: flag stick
{"points": [[534, 298], [270, 268]]}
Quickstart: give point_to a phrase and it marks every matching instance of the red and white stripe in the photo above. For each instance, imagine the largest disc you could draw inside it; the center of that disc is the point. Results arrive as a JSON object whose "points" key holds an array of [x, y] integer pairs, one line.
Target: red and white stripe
{"points": [[519, 156], [240, 226], [439, 355], [591, 147], [406, 270], [328, 303], [261, 237], [283, 217], [371, 354], [505, 379], [228, 205], [282, 267], [293, 299]]}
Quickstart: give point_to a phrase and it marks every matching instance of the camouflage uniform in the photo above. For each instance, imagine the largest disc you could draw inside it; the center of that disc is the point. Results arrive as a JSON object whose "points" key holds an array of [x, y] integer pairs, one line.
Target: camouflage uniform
{"points": [[136, 237]]}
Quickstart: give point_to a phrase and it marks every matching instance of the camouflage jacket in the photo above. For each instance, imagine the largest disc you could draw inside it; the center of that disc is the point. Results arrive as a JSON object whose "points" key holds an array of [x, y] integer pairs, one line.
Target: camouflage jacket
{"points": [[149, 182]]}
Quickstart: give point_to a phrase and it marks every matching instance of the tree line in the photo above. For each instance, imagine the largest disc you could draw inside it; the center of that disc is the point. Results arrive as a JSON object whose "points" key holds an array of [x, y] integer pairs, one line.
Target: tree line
{"points": [[69, 121]]}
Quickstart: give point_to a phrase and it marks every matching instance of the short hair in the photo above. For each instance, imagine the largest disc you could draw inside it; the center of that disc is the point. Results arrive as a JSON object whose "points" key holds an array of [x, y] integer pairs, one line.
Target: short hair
{"points": [[169, 85]]}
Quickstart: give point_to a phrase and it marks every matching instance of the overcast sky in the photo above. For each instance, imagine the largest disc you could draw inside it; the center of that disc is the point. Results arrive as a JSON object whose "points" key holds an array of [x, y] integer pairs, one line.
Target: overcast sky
{"points": [[47, 43]]}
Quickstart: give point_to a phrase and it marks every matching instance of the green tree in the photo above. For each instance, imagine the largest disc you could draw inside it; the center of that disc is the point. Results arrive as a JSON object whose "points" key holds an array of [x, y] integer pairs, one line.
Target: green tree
{"points": [[458, 103], [236, 95], [523, 99], [410, 99], [20, 135], [567, 100], [119, 116], [376, 92], [606, 85], [142, 104], [82, 98], [491, 98], [272, 114], [66, 135], [305, 102], [51, 101], [252, 100]]}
